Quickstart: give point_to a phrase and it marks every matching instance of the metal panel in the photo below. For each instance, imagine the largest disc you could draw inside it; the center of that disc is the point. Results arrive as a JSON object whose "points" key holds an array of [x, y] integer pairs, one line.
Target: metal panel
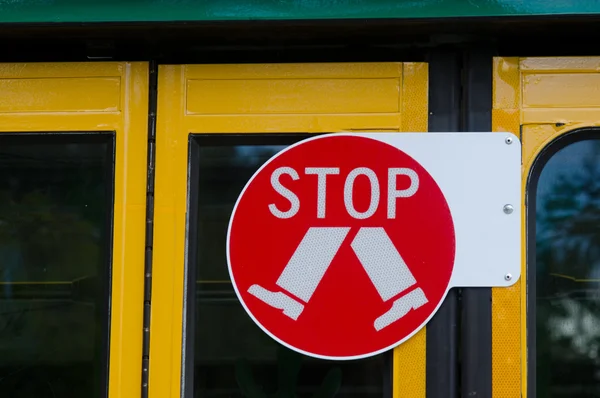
{"points": [[24, 11], [409, 360], [95, 94], [173, 128], [52, 111], [514, 334], [293, 95], [508, 350]]}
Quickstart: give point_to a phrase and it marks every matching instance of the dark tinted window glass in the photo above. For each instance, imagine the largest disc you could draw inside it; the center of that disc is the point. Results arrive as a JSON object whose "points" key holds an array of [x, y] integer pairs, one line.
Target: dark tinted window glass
{"points": [[567, 267], [231, 354], [55, 231]]}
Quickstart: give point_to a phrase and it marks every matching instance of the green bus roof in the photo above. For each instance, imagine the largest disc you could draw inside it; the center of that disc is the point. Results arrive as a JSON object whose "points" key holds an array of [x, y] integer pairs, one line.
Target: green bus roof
{"points": [[57, 11]]}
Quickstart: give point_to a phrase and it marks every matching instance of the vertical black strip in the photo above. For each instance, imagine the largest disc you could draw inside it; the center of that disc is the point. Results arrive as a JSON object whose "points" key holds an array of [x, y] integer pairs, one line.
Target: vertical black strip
{"points": [[476, 325], [152, 98], [531, 274], [531, 257], [442, 330], [388, 374], [106, 291], [189, 333]]}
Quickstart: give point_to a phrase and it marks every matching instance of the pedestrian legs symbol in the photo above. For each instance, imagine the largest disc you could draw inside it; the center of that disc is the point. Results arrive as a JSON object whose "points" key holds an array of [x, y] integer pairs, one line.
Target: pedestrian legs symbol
{"points": [[385, 267], [388, 272], [304, 271]]}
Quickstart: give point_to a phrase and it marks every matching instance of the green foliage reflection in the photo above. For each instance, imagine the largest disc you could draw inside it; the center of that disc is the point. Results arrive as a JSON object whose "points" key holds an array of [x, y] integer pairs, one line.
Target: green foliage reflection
{"points": [[568, 273]]}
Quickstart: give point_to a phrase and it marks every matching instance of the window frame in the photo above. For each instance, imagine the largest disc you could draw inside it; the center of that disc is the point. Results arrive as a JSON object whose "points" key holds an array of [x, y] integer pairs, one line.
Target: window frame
{"points": [[192, 252], [538, 120], [195, 142], [57, 110], [91, 137], [535, 171], [178, 115]]}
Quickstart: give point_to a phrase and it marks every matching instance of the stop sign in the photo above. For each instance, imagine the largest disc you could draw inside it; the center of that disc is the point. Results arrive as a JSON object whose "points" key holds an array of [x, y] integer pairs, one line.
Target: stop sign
{"points": [[341, 246]]}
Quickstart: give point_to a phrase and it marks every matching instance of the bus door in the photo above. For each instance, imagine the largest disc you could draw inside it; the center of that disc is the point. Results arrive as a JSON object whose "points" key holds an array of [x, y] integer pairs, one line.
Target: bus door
{"points": [[216, 125], [546, 327], [73, 139]]}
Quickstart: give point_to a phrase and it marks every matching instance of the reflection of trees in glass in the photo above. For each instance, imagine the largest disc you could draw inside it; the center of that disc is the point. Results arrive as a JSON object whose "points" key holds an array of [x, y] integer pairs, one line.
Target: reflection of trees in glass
{"points": [[288, 369], [40, 242], [53, 238], [255, 156], [571, 213], [233, 356], [568, 272], [36, 225], [224, 170]]}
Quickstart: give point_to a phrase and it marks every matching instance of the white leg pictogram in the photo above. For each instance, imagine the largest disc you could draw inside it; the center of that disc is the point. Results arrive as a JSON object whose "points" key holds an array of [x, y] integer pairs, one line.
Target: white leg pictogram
{"points": [[388, 272], [401, 306], [304, 271], [384, 265], [278, 300], [376, 252]]}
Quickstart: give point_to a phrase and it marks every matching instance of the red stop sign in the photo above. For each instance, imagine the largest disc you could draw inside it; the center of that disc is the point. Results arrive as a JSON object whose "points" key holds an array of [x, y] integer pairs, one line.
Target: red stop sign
{"points": [[341, 246]]}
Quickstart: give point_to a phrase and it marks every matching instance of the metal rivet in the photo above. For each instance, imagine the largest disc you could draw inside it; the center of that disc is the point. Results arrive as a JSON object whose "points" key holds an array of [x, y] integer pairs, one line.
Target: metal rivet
{"points": [[508, 140], [508, 277], [508, 209]]}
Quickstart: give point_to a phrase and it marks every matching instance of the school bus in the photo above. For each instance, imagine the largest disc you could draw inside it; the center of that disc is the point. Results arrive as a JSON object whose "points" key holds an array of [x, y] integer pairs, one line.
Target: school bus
{"points": [[128, 129]]}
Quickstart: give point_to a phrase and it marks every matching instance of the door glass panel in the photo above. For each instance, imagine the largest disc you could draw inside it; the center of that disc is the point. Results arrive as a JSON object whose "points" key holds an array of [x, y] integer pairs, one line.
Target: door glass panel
{"points": [[567, 267], [55, 237], [231, 355]]}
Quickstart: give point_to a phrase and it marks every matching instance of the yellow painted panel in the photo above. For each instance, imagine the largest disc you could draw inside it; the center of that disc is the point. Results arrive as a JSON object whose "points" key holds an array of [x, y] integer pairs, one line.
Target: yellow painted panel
{"points": [[563, 64], [561, 90], [414, 98], [64, 94], [559, 115], [409, 378], [292, 123], [535, 137], [79, 121], [64, 108], [505, 84], [508, 337], [506, 120], [292, 96], [61, 69], [129, 234], [60, 95], [263, 98], [169, 236], [333, 70], [409, 360], [506, 341]]}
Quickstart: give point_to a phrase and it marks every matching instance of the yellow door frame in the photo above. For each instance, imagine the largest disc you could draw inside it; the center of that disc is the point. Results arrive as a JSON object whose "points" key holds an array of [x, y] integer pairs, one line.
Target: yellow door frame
{"points": [[541, 98], [274, 98], [112, 97]]}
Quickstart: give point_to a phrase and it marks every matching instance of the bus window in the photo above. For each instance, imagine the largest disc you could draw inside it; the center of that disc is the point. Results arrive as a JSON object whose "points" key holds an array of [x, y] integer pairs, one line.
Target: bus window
{"points": [[567, 272], [228, 355], [56, 195]]}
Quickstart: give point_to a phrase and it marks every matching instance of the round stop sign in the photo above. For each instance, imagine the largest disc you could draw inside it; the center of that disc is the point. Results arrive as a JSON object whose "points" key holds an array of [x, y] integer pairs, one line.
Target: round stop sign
{"points": [[341, 246]]}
